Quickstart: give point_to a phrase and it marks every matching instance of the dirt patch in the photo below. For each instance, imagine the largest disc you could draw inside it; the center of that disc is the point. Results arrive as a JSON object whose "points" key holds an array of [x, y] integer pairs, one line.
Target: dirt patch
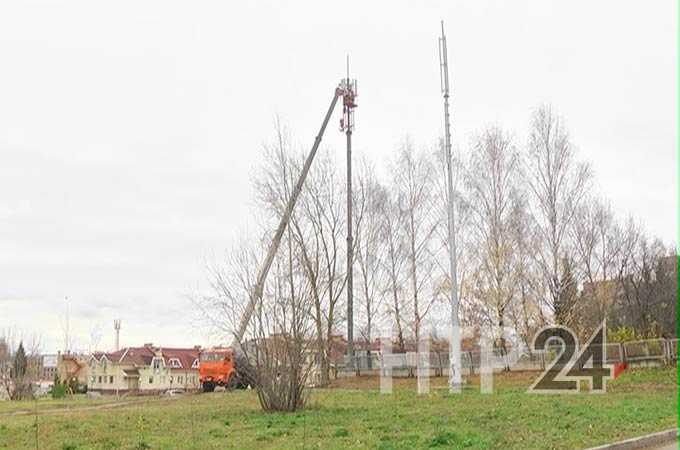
{"points": [[372, 382], [69, 409]]}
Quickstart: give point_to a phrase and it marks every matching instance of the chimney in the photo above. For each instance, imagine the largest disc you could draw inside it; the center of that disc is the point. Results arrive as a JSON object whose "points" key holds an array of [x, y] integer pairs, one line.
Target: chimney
{"points": [[116, 327]]}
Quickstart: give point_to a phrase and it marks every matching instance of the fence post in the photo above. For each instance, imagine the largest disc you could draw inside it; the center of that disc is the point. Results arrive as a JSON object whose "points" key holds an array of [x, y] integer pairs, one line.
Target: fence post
{"points": [[624, 357], [472, 363]]}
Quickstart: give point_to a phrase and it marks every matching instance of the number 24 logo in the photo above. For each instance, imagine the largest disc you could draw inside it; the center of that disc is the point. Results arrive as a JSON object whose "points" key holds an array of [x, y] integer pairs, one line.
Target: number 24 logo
{"points": [[566, 371]]}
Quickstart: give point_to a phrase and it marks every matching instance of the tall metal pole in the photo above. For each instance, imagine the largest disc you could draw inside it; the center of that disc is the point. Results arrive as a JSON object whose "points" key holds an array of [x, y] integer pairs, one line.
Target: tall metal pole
{"points": [[455, 378], [346, 125], [350, 251]]}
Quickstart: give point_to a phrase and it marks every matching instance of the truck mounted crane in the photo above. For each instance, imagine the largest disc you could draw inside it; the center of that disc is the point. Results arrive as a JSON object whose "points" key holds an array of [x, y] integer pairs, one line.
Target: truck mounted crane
{"points": [[220, 366], [347, 90]]}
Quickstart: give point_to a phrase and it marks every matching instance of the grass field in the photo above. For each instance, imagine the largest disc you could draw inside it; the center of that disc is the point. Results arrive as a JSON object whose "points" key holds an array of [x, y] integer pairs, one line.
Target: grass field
{"points": [[353, 414]]}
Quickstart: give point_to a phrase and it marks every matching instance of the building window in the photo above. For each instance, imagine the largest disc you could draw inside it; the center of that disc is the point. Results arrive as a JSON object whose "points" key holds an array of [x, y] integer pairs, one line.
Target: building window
{"points": [[156, 363], [150, 380], [171, 379], [179, 379], [175, 363], [100, 379], [111, 379], [93, 379]]}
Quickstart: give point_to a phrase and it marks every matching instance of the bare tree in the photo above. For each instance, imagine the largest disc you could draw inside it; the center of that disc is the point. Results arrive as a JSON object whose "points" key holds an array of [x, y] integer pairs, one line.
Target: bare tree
{"points": [[525, 312], [370, 248], [95, 338], [597, 240], [280, 356], [642, 283], [319, 230], [413, 177], [558, 184], [230, 280], [492, 181], [279, 345], [316, 232], [393, 265]]}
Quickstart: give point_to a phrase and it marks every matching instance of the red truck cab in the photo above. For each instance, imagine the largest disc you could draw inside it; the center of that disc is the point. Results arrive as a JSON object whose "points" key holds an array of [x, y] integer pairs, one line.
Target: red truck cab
{"points": [[216, 368]]}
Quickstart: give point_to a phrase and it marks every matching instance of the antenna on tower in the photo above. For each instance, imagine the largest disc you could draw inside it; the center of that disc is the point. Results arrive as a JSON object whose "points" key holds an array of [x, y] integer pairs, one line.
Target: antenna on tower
{"points": [[443, 64], [455, 379], [116, 327]]}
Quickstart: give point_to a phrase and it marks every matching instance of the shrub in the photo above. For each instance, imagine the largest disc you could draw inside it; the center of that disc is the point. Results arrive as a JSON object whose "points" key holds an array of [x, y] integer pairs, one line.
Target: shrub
{"points": [[58, 389], [623, 334]]}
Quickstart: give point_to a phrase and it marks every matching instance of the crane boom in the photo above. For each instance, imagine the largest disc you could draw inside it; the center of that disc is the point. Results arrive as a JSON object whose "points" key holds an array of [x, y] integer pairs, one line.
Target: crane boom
{"points": [[256, 293]]}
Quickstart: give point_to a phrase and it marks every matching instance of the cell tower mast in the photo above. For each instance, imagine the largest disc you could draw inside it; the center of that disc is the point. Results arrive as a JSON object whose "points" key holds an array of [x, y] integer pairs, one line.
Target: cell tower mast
{"points": [[116, 327], [347, 125], [67, 330], [455, 379]]}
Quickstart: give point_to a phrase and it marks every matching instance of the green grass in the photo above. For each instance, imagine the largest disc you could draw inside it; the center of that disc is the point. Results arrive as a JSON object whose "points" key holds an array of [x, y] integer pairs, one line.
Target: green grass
{"points": [[358, 416]]}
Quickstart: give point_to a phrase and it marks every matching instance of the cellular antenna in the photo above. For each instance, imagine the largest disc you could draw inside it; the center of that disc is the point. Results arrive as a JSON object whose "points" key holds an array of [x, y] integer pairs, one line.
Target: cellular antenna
{"points": [[455, 378]]}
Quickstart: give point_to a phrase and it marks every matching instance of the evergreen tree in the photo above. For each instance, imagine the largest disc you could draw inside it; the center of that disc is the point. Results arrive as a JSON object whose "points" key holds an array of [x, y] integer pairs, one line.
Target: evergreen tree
{"points": [[20, 362]]}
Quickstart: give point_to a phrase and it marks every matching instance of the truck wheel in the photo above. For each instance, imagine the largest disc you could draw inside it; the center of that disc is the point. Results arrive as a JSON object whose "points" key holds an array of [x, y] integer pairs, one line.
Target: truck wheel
{"points": [[208, 386]]}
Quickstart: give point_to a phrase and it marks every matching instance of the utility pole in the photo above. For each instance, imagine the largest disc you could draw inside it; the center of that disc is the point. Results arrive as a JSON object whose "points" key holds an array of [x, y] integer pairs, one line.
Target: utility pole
{"points": [[455, 378], [347, 125], [67, 338]]}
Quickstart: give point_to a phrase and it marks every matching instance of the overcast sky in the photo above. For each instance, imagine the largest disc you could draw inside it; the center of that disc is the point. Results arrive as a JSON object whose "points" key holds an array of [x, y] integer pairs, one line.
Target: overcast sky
{"points": [[129, 130]]}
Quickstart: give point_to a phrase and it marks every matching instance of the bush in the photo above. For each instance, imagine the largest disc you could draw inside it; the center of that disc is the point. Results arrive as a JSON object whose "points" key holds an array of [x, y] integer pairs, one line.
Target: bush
{"points": [[58, 389], [623, 334]]}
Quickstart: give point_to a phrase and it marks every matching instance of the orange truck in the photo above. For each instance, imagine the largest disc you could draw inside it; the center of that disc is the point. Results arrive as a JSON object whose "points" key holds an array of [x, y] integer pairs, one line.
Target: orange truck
{"points": [[217, 368]]}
